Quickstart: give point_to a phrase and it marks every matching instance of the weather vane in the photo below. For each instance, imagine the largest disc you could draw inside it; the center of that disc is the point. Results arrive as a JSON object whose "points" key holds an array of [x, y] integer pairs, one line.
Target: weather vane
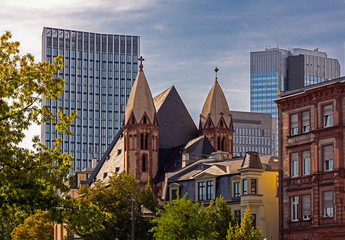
{"points": [[141, 59], [216, 70]]}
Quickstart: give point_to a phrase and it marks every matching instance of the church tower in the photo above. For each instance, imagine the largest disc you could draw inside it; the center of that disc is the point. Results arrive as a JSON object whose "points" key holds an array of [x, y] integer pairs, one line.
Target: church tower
{"points": [[140, 129], [216, 121]]}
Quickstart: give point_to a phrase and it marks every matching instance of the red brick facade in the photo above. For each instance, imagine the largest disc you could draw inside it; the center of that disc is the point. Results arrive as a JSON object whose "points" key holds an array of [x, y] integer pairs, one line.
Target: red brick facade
{"points": [[311, 151]]}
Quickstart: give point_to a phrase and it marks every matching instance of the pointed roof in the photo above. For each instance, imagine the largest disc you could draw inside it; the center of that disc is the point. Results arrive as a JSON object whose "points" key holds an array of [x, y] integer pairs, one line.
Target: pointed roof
{"points": [[140, 100], [176, 125], [216, 107]]}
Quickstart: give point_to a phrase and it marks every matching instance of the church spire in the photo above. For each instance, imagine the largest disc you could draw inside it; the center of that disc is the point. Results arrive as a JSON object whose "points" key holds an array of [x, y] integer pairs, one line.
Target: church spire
{"points": [[215, 106], [140, 102]]}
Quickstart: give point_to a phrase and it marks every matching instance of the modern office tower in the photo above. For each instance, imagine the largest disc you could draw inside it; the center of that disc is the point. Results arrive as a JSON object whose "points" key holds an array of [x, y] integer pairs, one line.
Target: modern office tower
{"points": [[275, 70], [253, 132], [99, 70]]}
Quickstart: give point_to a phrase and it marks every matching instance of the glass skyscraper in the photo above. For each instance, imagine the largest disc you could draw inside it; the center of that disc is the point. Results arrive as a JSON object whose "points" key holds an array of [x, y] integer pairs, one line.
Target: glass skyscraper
{"points": [[99, 71], [275, 70]]}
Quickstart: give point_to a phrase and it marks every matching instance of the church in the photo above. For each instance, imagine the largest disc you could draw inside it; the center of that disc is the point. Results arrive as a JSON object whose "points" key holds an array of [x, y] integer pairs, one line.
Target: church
{"points": [[159, 136], [160, 141]]}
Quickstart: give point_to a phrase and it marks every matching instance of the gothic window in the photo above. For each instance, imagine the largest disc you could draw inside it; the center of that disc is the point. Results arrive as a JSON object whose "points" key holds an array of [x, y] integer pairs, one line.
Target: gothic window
{"points": [[141, 141], [223, 144], [146, 141], [144, 163]]}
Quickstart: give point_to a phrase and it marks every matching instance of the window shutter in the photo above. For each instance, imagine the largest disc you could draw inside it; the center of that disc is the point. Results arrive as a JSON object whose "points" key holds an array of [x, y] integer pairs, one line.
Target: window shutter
{"points": [[328, 199], [305, 118], [327, 109], [306, 206], [328, 152], [294, 120], [306, 154], [294, 156]]}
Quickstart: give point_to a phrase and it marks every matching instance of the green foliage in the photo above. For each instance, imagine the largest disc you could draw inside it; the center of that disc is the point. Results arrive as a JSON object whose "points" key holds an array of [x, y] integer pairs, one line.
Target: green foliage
{"points": [[114, 200], [246, 231], [182, 219], [35, 227], [142, 224], [28, 178]]}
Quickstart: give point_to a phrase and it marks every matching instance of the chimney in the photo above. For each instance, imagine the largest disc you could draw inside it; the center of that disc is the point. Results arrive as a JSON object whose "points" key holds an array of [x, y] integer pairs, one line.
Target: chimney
{"points": [[94, 162]]}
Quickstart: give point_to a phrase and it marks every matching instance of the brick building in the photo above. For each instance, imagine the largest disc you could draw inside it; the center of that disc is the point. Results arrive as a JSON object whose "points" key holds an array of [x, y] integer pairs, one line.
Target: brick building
{"points": [[311, 151]]}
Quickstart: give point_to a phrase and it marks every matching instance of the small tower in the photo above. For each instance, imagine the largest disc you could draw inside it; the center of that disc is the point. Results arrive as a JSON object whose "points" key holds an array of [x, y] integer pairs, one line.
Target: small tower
{"points": [[216, 121], [140, 129]]}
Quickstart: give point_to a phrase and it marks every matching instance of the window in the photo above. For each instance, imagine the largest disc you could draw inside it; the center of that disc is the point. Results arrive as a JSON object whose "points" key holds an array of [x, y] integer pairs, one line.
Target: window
{"points": [[253, 220], [237, 190], [294, 124], [305, 122], [327, 115], [294, 164], [201, 191], [294, 208], [238, 216], [253, 186], [328, 204], [328, 157], [306, 207], [205, 190], [306, 162], [245, 187], [144, 163], [209, 190], [173, 194]]}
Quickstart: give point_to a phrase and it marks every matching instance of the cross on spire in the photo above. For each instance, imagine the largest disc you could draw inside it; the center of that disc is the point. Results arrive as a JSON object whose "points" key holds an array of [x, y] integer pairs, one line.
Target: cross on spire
{"points": [[216, 70], [141, 59]]}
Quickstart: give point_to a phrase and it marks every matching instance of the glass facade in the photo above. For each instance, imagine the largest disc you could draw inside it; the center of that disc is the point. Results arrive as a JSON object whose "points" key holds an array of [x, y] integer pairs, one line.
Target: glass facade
{"points": [[269, 75], [99, 71]]}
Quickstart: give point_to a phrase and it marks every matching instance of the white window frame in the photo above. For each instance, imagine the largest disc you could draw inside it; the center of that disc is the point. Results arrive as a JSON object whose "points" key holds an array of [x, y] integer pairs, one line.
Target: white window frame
{"points": [[294, 208], [306, 164], [327, 116], [328, 210], [305, 215], [294, 165]]}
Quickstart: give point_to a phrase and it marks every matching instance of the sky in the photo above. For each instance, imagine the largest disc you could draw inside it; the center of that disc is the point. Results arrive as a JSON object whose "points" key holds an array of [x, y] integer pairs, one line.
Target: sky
{"points": [[182, 41]]}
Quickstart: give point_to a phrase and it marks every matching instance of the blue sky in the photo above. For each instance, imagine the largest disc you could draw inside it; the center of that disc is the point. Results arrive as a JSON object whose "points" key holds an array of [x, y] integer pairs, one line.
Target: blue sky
{"points": [[184, 40]]}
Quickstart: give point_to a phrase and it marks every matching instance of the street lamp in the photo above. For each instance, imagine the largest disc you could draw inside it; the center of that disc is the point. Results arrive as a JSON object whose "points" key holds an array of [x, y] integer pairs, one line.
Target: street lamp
{"points": [[144, 212]]}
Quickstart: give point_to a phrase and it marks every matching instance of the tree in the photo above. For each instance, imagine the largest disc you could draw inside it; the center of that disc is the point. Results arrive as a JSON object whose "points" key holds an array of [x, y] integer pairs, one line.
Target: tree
{"points": [[246, 230], [28, 178], [114, 199], [36, 227], [143, 225], [182, 219]]}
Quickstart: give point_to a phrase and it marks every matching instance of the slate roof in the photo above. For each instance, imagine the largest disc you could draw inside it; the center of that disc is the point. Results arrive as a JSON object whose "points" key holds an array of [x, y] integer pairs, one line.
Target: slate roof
{"points": [[251, 160], [176, 127], [198, 148]]}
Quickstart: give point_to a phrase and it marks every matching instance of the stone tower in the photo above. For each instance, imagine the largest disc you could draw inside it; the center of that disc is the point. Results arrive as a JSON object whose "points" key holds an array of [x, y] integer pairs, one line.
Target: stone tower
{"points": [[216, 121], [140, 130]]}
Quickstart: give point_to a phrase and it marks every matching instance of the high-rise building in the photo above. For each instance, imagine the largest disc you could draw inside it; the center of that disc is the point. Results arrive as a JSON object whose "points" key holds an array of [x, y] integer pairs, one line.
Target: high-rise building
{"points": [[253, 132], [99, 71], [275, 70]]}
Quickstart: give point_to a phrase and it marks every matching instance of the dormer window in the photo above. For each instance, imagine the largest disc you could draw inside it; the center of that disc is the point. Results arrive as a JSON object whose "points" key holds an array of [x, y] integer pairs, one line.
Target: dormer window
{"points": [[144, 120]]}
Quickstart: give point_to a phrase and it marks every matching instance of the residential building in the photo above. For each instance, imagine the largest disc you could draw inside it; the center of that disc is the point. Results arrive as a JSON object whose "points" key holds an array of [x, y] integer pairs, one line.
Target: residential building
{"points": [[253, 132], [275, 70], [249, 181], [311, 153], [99, 71]]}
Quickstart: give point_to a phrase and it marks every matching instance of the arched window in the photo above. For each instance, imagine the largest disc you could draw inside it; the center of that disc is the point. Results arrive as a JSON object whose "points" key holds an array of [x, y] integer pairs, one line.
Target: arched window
{"points": [[221, 124], [218, 144], [146, 141], [141, 141], [223, 144], [144, 162], [144, 120]]}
